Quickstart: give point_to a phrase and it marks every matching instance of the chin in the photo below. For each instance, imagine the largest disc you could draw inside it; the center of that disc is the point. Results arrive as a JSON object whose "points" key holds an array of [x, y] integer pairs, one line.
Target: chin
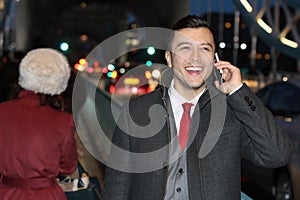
{"points": [[196, 83], [197, 86]]}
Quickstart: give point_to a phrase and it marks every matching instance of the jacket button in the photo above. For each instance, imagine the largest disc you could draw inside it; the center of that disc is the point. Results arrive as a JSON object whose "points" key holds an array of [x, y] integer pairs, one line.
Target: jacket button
{"points": [[178, 189], [165, 165], [180, 170], [247, 98]]}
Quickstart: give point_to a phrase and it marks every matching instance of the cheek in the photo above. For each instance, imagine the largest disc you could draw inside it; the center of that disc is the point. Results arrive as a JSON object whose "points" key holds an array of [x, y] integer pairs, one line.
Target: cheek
{"points": [[210, 69], [178, 61]]}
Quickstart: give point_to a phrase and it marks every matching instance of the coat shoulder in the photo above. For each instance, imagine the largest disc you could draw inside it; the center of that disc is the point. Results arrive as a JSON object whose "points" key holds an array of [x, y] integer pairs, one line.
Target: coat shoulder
{"points": [[154, 97]]}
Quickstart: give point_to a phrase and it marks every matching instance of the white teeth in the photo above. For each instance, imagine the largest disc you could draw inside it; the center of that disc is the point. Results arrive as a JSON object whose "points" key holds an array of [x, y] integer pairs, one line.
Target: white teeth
{"points": [[194, 69]]}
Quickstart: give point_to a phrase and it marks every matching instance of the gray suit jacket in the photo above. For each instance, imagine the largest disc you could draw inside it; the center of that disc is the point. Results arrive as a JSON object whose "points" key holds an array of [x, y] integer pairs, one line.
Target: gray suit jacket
{"points": [[224, 130]]}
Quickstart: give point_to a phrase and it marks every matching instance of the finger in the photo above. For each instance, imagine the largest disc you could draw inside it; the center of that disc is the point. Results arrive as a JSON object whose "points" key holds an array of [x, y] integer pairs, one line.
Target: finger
{"points": [[223, 65], [217, 84]]}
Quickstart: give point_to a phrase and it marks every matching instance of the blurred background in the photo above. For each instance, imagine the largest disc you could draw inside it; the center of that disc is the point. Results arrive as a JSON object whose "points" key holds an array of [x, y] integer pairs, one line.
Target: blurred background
{"points": [[261, 37]]}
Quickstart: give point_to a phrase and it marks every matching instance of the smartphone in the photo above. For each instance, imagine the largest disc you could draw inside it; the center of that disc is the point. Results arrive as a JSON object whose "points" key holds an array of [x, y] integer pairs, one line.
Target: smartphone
{"points": [[220, 71]]}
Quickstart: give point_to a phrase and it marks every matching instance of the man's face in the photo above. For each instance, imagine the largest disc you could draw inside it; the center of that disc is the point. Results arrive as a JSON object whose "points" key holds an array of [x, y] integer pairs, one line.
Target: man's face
{"points": [[192, 59]]}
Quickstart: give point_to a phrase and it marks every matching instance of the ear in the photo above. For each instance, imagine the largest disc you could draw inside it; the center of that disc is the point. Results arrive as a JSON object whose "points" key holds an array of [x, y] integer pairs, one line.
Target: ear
{"points": [[168, 57]]}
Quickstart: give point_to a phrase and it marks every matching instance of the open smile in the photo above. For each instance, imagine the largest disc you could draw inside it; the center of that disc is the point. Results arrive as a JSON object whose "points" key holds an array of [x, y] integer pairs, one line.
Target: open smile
{"points": [[194, 70]]}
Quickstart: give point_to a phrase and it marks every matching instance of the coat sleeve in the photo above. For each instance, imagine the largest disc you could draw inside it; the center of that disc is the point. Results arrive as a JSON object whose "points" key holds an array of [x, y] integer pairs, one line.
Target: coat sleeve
{"points": [[68, 158], [263, 142], [118, 179]]}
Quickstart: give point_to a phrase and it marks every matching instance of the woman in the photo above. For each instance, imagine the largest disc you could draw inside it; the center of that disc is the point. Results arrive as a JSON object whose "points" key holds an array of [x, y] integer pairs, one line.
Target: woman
{"points": [[37, 138]]}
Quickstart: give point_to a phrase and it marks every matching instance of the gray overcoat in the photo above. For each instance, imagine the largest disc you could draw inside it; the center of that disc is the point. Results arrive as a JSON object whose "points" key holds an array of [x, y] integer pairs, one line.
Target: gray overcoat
{"points": [[216, 146]]}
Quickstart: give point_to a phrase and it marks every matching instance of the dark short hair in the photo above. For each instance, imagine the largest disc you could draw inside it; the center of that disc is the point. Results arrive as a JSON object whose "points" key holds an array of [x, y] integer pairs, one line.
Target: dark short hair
{"points": [[191, 21]]}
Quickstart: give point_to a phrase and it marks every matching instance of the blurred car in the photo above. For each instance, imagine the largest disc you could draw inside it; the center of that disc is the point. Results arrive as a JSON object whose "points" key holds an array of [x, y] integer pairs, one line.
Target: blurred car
{"points": [[283, 100]]}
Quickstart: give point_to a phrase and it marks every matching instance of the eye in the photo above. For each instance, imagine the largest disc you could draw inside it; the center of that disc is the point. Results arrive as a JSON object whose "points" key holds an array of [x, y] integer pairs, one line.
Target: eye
{"points": [[206, 48], [185, 48]]}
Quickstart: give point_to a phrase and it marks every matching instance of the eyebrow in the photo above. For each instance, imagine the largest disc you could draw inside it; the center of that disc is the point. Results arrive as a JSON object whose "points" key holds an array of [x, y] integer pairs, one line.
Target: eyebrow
{"points": [[202, 44], [206, 43]]}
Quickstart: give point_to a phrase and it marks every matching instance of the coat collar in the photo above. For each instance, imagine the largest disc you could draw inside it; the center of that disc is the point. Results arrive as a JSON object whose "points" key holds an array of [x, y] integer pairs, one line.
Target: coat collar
{"points": [[210, 93], [29, 97], [28, 93]]}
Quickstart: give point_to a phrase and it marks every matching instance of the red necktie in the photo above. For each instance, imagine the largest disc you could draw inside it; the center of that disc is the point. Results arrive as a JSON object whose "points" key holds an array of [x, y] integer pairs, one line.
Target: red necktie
{"points": [[185, 125]]}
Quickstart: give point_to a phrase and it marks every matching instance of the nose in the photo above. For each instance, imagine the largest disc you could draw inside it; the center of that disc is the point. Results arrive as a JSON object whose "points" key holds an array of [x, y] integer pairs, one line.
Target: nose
{"points": [[195, 54]]}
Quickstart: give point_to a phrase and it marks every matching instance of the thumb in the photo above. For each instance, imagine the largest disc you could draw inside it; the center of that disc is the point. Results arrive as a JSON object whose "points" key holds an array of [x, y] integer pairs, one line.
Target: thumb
{"points": [[220, 87]]}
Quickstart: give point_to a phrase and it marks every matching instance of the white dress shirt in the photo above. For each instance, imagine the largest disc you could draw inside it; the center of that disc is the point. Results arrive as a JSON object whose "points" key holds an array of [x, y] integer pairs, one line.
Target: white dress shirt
{"points": [[176, 102]]}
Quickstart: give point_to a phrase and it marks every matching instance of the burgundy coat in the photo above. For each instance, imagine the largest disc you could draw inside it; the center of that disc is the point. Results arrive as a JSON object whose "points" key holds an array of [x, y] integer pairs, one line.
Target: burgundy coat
{"points": [[36, 143]]}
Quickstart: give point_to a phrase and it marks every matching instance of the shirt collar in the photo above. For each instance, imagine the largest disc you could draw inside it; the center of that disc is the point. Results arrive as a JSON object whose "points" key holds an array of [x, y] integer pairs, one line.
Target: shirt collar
{"points": [[178, 99]]}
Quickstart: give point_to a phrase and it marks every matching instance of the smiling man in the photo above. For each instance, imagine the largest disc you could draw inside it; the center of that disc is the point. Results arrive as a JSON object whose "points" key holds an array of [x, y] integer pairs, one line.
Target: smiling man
{"points": [[191, 57], [208, 128]]}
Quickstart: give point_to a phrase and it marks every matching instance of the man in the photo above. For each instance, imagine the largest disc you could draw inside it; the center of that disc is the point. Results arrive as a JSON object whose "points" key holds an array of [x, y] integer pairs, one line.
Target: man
{"points": [[209, 126]]}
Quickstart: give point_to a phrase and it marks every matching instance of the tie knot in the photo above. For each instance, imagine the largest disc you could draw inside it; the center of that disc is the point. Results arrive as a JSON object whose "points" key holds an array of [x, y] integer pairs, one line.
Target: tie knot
{"points": [[187, 107]]}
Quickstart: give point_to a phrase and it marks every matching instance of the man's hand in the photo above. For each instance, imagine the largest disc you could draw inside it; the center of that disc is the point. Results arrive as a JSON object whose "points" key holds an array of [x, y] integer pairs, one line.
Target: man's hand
{"points": [[231, 75]]}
